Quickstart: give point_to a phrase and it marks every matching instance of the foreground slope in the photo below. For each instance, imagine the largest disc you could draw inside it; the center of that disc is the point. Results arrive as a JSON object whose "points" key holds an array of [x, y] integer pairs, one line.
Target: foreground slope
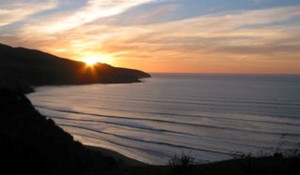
{"points": [[32, 144], [23, 67]]}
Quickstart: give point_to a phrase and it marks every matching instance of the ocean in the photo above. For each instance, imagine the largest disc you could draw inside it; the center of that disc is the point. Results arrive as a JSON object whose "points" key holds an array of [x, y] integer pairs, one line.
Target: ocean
{"points": [[211, 117]]}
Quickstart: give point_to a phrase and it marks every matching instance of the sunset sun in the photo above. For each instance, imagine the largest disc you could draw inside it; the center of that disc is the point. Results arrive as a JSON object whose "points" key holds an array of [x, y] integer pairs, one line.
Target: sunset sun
{"points": [[91, 61]]}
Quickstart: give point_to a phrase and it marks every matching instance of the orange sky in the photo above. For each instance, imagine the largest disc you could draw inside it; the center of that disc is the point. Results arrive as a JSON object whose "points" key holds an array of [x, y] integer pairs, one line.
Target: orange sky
{"points": [[161, 36]]}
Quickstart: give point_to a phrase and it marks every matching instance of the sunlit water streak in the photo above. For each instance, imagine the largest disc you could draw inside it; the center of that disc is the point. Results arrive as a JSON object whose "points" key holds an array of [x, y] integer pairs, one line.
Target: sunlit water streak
{"points": [[210, 116]]}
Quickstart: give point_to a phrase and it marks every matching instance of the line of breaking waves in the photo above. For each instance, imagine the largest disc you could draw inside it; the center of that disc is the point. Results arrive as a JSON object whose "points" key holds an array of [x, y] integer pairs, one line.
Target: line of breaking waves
{"points": [[211, 117]]}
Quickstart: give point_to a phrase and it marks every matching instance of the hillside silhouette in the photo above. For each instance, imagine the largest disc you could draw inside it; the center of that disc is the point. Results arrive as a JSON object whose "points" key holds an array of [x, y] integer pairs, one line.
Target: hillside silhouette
{"points": [[33, 144], [21, 67]]}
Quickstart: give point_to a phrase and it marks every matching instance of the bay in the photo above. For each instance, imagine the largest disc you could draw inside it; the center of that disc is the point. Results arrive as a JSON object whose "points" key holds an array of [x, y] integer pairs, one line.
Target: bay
{"points": [[210, 116]]}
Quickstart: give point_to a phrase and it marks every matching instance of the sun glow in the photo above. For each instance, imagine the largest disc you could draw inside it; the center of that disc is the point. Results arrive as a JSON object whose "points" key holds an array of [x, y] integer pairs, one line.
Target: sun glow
{"points": [[90, 61]]}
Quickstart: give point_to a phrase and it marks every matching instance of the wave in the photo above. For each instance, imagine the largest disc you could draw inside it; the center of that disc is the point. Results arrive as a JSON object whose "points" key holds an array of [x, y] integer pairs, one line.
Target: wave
{"points": [[224, 117], [202, 98], [282, 104], [151, 151], [164, 115], [136, 128], [179, 123], [151, 142]]}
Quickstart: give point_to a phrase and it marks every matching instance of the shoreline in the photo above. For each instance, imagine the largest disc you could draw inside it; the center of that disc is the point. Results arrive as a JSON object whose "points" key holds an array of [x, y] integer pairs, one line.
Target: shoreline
{"points": [[60, 154], [120, 158]]}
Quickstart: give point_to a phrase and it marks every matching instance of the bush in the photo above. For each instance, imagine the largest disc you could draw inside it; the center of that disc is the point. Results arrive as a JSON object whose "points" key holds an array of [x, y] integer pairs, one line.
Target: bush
{"points": [[182, 165]]}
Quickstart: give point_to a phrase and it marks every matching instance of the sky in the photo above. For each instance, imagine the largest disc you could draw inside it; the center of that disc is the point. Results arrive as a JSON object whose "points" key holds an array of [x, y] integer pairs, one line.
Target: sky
{"points": [[183, 36]]}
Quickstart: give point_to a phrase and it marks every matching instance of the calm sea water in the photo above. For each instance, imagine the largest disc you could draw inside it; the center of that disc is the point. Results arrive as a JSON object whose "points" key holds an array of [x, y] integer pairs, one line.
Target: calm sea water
{"points": [[209, 116]]}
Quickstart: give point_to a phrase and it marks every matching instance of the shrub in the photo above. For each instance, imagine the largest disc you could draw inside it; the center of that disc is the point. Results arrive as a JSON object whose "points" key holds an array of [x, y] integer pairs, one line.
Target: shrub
{"points": [[182, 165]]}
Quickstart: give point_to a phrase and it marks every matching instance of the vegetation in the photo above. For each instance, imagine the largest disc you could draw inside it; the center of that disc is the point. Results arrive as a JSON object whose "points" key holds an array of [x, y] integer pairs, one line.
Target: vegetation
{"points": [[182, 165]]}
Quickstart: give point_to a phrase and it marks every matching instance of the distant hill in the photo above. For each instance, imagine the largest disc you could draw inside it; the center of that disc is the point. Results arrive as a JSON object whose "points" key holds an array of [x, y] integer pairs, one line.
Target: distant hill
{"points": [[20, 67]]}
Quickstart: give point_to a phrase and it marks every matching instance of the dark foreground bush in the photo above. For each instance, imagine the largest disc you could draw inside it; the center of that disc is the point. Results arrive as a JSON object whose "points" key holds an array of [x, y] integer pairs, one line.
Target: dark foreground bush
{"points": [[278, 162], [182, 164]]}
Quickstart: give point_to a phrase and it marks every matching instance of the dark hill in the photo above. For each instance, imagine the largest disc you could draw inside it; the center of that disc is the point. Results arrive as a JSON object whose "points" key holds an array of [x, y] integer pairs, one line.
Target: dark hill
{"points": [[20, 67], [33, 144]]}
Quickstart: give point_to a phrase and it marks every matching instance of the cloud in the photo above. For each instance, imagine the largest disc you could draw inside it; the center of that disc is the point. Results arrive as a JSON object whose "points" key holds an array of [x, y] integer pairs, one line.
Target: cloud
{"points": [[93, 10], [251, 37], [263, 41], [14, 11], [154, 15], [234, 28], [261, 1]]}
